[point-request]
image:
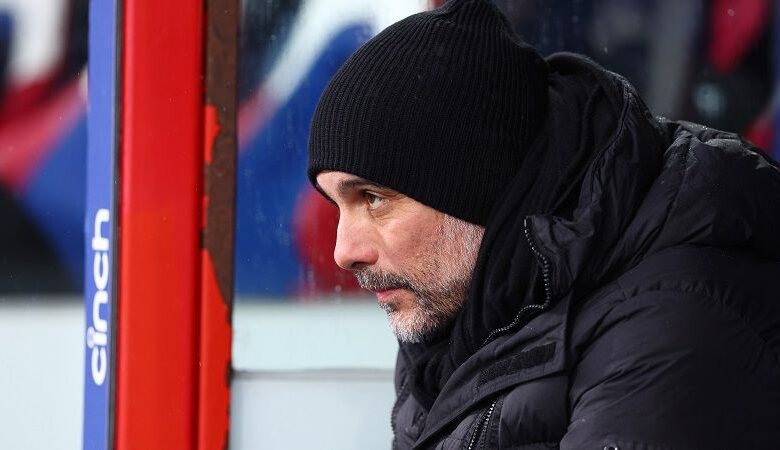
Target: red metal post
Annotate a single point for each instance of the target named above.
(159, 229)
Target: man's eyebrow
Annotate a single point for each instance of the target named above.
(346, 187)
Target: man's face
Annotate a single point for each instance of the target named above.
(417, 260)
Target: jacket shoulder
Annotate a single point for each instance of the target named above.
(726, 281)
(680, 352)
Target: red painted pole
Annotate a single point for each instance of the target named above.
(159, 225)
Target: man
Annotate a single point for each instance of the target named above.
(562, 269)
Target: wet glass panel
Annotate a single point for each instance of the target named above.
(285, 231)
(307, 343)
(43, 51)
(706, 62)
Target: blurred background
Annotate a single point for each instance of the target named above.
(302, 328)
(708, 62)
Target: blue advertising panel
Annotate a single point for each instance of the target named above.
(100, 266)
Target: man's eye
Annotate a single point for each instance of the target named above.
(374, 201)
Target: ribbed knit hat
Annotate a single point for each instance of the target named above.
(440, 106)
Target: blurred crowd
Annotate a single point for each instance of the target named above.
(43, 54)
(705, 61)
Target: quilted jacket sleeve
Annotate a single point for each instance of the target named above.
(674, 370)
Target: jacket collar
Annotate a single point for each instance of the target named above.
(536, 350)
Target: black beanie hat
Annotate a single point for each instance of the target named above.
(440, 106)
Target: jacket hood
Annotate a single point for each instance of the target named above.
(712, 189)
(605, 186)
(635, 184)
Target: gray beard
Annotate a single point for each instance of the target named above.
(433, 308)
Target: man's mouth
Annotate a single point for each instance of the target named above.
(386, 287)
(385, 296)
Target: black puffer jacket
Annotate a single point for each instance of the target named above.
(660, 322)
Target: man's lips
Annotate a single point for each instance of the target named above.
(386, 295)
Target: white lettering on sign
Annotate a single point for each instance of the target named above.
(97, 334)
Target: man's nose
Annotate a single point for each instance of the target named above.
(353, 247)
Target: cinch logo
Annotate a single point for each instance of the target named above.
(97, 335)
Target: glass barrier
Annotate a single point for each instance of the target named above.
(43, 53)
(309, 347)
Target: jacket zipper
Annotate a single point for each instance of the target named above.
(482, 426)
(518, 317)
(547, 288)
